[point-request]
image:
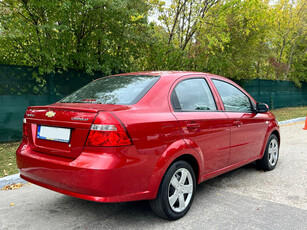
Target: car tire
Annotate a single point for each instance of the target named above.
(176, 192)
(270, 157)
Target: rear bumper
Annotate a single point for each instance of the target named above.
(108, 176)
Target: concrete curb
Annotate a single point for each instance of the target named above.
(16, 178)
(292, 121)
(12, 179)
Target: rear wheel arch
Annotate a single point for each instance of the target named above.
(169, 157)
(174, 199)
(192, 161)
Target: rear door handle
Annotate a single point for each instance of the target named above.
(238, 123)
(193, 126)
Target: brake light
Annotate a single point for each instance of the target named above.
(107, 131)
(25, 128)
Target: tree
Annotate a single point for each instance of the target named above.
(88, 35)
(289, 40)
(234, 38)
(222, 37)
(175, 31)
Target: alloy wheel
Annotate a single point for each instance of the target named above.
(180, 190)
(273, 152)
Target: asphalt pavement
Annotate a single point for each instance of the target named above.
(245, 198)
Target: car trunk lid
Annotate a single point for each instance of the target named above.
(62, 129)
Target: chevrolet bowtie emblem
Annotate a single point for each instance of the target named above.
(50, 114)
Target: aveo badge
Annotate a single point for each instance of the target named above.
(50, 114)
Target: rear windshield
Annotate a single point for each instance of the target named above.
(120, 90)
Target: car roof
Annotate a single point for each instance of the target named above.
(177, 74)
(174, 74)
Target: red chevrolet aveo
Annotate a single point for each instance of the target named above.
(147, 135)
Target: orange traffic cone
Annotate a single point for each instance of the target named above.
(305, 124)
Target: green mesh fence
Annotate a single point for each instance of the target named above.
(277, 94)
(21, 87)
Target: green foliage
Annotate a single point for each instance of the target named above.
(234, 38)
(289, 40)
(88, 35)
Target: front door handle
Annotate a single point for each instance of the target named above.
(193, 126)
(238, 123)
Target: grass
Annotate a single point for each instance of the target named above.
(8, 159)
(290, 113)
(7, 150)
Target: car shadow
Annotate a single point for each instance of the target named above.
(130, 214)
(229, 178)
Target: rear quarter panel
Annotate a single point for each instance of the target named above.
(158, 142)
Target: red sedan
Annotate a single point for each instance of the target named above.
(146, 135)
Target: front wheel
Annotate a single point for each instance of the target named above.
(176, 192)
(270, 157)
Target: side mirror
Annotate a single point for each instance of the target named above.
(262, 108)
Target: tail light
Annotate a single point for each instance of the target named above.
(25, 131)
(107, 130)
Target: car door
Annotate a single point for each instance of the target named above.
(202, 126)
(247, 127)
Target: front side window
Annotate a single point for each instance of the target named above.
(233, 98)
(122, 90)
(192, 95)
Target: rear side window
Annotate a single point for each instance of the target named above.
(233, 98)
(192, 95)
(122, 90)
